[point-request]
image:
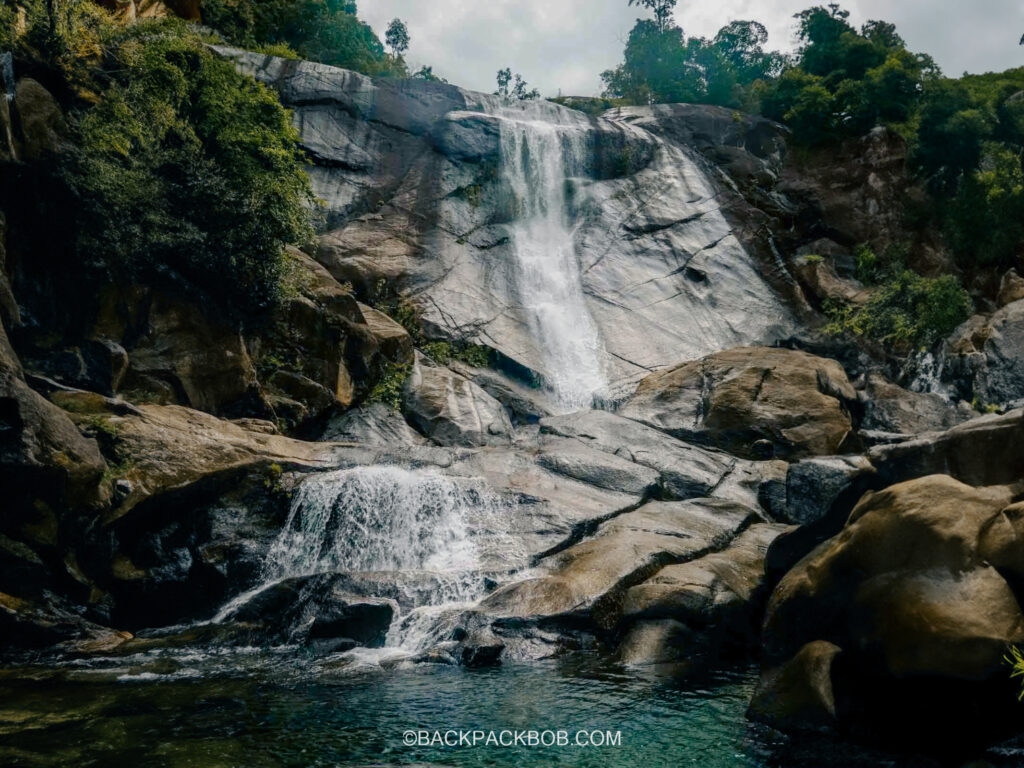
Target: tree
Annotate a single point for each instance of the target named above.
(662, 10)
(397, 38)
(514, 86)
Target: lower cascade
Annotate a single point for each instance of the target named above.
(387, 520)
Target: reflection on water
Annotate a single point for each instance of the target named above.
(262, 708)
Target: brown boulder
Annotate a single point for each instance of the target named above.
(737, 398)
(40, 119)
(591, 578)
(42, 453)
(164, 449)
(797, 695)
(908, 594)
(205, 364)
(716, 591)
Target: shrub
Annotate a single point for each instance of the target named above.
(327, 31)
(186, 170)
(905, 312)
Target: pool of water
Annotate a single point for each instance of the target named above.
(267, 709)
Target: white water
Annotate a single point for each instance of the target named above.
(538, 157)
(386, 519)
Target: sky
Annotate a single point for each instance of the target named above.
(564, 45)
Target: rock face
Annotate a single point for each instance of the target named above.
(905, 591)
(452, 410)
(892, 409)
(983, 451)
(686, 471)
(183, 354)
(715, 597)
(984, 358)
(42, 454)
(739, 398)
(408, 170)
(589, 579)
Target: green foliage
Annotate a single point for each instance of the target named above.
(846, 81)
(1015, 658)
(185, 170)
(427, 73)
(514, 86)
(443, 352)
(662, 65)
(397, 38)
(388, 389)
(905, 312)
(985, 220)
(320, 30)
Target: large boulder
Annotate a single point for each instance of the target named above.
(985, 358)
(716, 591)
(923, 620)
(316, 608)
(43, 456)
(166, 449)
(892, 409)
(587, 581)
(373, 424)
(190, 359)
(452, 410)
(686, 471)
(43, 128)
(321, 349)
(988, 450)
(750, 401)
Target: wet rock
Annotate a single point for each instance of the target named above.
(659, 642)
(481, 648)
(587, 581)
(42, 453)
(313, 608)
(687, 471)
(33, 624)
(735, 398)
(452, 410)
(798, 694)
(373, 424)
(719, 595)
(890, 408)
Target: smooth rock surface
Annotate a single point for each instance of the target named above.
(734, 399)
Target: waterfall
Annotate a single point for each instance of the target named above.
(387, 519)
(537, 158)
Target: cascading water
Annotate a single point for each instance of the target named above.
(537, 158)
(386, 519)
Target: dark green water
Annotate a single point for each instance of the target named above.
(272, 710)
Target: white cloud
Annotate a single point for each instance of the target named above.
(566, 44)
